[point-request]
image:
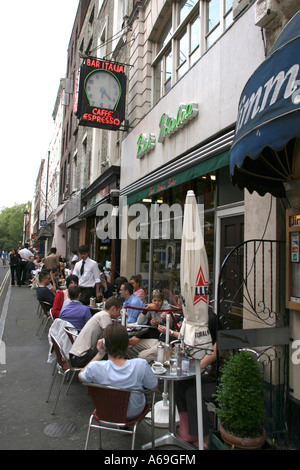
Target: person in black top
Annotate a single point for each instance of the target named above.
(43, 292)
(186, 393)
(15, 262)
(106, 288)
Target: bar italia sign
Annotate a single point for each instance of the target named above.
(167, 127)
(99, 98)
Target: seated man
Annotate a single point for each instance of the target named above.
(119, 372)
(62, 296)
(132, 300)
(147, 346)
(106, 288)
(46, 289)
(55, 275)
(75, 312)
(85, 345)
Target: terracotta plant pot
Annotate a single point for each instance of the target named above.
(242, 443)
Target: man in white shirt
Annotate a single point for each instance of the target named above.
(88, 274)
(25, 256)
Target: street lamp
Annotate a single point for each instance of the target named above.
(25, 224)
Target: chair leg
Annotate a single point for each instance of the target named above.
(46, 323)
(88, 433)
(39, 310)
(100, 439)
(133, 436)
(54, 376)
(70, 381)
(40, 325)
(61, 386)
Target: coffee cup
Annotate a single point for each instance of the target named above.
(157, 367)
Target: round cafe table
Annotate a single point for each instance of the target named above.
(171, 438)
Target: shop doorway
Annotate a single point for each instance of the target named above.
(230, 228)
(232, 235)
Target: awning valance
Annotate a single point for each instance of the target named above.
(204, 159)
(268, 122)
(206, 166)
(92, 209)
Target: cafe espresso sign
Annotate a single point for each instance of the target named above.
(167, 127)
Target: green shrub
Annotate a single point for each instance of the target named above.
(240, 396)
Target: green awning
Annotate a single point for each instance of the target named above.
(207, 166)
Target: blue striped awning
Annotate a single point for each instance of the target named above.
(268, 122)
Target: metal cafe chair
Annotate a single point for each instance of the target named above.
(46, 317)
(63, 367)
(110, 411)
(72, 333)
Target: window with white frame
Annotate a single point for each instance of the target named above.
(191, 28)
(219, 18)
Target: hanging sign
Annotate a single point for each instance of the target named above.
(99, 97)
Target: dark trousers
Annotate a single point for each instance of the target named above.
(24, 271)
(82, 361)
(86, 293)
(186, 400)
(15, 271)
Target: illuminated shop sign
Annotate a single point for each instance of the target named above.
(167, 126)
(100, 90)
(295, 220)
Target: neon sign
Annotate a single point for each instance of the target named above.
(167, 126)
(100, 94)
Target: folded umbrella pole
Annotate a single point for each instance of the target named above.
(194, 281)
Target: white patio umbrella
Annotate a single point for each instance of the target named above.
(194, 290)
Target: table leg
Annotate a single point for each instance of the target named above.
(171, 437)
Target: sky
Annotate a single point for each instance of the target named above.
(34, 39)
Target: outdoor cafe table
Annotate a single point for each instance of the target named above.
(171, 438)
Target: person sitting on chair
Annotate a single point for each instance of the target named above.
(45, 292)
(75, 312)
(126, 291)
(147, 346)
(117, 371)
(62, 296)
(85, 346)
(186, 394)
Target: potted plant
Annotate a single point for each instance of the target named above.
(240, 399)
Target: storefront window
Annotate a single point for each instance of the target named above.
(227, 193)
(166, 246)
(166, 268)
(205, 190)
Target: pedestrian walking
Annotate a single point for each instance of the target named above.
(15, 263)
(4, 256)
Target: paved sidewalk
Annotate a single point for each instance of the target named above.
(25, 417)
